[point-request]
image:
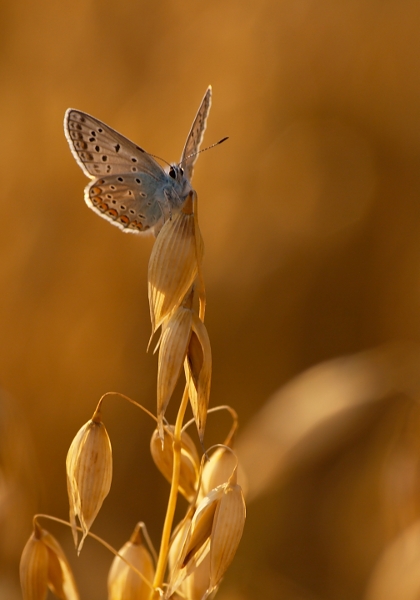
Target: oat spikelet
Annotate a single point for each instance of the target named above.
(173, 349)
(196, 541)
(89, 474)
(123, 582)
(177, 542)
(218, 469)
(195, 586)
(228, 525)
(216, 528)
(190, 462)
(173, 263)
(198, 367)
(34, 570)
(44, 565)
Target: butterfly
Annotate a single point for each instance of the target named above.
(129, 188)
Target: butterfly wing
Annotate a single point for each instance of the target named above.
(133, 202)
(195, 136)
(100, 150)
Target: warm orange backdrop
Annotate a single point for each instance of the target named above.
(311, 219)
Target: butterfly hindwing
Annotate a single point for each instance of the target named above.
(131, 201)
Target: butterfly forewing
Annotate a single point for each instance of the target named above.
(100, 150)
(195, 136)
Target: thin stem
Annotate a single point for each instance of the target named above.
(234, 425)
(170, 511)
(148, 541)
(151, 415)
(98, 539)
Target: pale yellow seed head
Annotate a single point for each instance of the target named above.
(89, 474)
(123, 582)
(177, 542)
(196, 542)
(173, 349)
(218, 469)
(44, 565)
(216, 529)
(198, 367)
(34, 570)
(222, 467)
(228, 525)
(190, 462)
(173, 263)
(195, 585)
(60, 576)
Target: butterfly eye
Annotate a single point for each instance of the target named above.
(172, 173)
(181, 170)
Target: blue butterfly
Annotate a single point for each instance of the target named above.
(129, 188)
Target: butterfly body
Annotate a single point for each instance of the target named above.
(129, 188)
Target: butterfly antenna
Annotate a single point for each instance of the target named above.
(159, 158)
(204, 149)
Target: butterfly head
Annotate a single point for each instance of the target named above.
(176, 172)
(181, 182)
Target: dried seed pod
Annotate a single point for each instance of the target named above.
(228, 525)
(198, 365)
(196, 542)
(123, 582)
(34, 570)
(162, 454)
(173, 349)
(216, 527)
(218, 469)
(177, 541)
(89, 474)
(194, 585)
(173, 263)
(44, 565)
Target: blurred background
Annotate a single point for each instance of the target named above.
(310, 215)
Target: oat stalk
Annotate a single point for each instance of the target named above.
(193, 555)
(170, 511)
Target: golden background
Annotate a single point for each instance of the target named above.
(310, 215)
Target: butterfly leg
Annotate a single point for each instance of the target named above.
(167, 204)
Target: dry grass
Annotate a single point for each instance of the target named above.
(310, 214)
(194, 554)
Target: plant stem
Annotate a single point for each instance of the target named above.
(170, 511)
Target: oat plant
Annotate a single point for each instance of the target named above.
(195, 553)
